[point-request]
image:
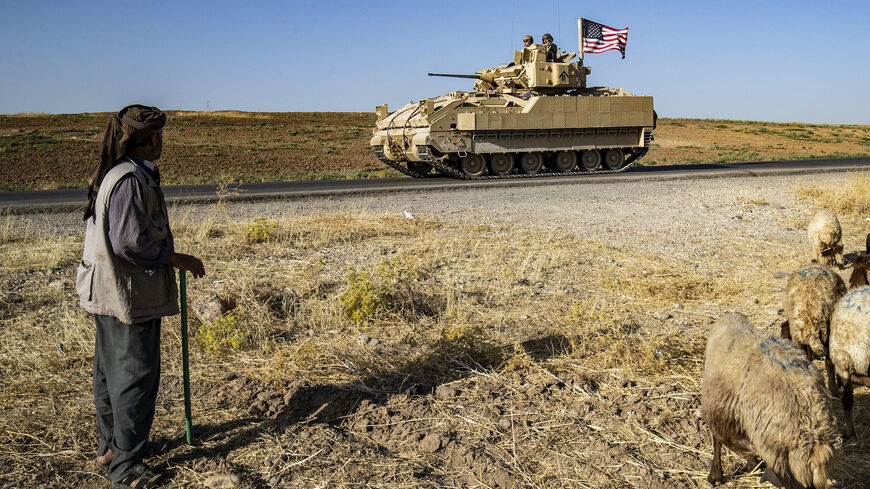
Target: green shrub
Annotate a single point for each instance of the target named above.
(375, 294)
(223, 335)
(260, 230)
(362, 299)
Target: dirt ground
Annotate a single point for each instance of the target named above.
(544, 337)
(58, 151)
(52, 151)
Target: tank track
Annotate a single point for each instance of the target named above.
(423, 151)
(395, 165)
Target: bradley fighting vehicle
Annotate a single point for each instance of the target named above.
(527, 117)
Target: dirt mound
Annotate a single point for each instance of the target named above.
(470, 427)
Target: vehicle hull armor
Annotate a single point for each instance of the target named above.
(465, 123)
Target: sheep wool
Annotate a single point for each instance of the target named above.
(810, 297)
(761, 396)
(849, 345)
(825, 236)
(850, 333)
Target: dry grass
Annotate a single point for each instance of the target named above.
(529, 355)
(849, 197)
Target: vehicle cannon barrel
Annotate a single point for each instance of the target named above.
(487, 77)
(451, 75)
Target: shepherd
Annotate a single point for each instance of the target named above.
(126, 280)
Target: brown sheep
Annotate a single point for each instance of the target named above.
(825, 236)
(849, 346)
(762, 397)
(860, 271)
(811, 295)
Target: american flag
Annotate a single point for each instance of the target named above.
(598, 38)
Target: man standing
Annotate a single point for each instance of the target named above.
(126, 280)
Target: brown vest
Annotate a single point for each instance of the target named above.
(110, 285)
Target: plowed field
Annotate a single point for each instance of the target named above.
(57, 151)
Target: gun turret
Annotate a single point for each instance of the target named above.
(529, 71)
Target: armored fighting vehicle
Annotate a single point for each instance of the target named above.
(528, 117)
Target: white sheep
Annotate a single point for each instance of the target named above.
(762, 397)
(849, 346)
(826, 238)
(811, 294)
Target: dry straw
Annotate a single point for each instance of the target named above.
(851, 196)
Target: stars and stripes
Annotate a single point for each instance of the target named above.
(598, 38)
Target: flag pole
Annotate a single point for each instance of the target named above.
(580, 38)
(188, 420)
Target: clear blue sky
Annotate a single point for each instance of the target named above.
(760, 60)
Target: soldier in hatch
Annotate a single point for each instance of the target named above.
(550, 46)
(528, 40)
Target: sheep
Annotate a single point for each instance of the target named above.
(861, 268)
(860, 271)
(849, 346)
(811, 294)
(762, 397)
(825, 237)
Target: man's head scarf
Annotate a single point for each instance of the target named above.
(133, 123)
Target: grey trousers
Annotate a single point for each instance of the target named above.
(126, 377)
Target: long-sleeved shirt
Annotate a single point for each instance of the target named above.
(127, 222)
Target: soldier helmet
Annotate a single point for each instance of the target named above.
(547, 36)
(528, 38)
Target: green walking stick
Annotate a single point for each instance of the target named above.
(188, 420)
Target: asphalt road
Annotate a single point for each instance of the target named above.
(69, 200)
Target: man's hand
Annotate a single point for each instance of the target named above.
(186, 262)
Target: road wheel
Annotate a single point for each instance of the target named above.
(564, 161)
(613, 159)
(419, 167)
(474, 165)
(531, 163)
(501, 163)
(590, 159)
